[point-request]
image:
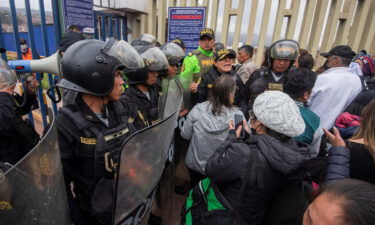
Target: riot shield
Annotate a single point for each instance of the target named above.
(32, 191)
(142, 160)
(169, 98)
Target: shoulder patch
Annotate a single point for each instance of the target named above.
(88, 141)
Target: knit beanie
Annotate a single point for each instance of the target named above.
(277, 111)
(368, 63)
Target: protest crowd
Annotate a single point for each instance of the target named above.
(282, 143)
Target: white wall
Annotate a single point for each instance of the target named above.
(136, 5)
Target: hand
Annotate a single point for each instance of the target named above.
(32, 86)
(239, 128)
(335, 139)
(183, 112)
(247, 128)
(193, 87)
(9, 90)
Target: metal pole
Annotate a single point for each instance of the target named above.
(3, 55)
(56, 21)
(124, 29)
(96, 25)
(33, 51)
(46, 47)
(110, 24)
(15, 28)
(102, 28)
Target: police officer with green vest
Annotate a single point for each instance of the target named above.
(197, 63)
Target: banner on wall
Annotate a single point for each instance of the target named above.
(80, 13)
(185, 23)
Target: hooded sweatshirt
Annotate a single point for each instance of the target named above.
(269, 167)
(206, 132)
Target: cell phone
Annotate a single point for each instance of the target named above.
(238, 121)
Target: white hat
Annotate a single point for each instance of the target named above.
(277, 111)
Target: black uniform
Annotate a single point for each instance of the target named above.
(17, 136)
(207, 81)
(142, 111)
(89, 151)
(259, 81)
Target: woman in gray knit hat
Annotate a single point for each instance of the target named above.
(267, 157)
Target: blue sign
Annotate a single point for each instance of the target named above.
(80, 13)
(186, 23)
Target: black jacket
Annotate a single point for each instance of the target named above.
(78, 155)
(259, 81)
(141, 110)
(275, 160)
(208, 80)
(17, 136)
(355, 162)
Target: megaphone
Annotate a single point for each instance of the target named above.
(51, 64)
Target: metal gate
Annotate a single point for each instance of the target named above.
(45, 38)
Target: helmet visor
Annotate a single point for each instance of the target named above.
(285, 50)
(155, 59)
(126, 54)
(173, 52)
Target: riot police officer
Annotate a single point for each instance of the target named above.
(141, 98)
(144, 42)
(175, 56)
(93, 128)
(17, 136)
(281, 58)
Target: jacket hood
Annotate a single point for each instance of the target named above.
(283, 157)
(215, 124)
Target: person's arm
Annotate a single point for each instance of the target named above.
(190, 66)
(67, 144)
(338, 166)
(188, 127)
(227, 162)
(201, 94)
(7, 112)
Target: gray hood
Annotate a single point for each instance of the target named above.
(214, 124)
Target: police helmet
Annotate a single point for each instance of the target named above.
(7, 77)
(144, 42)
(89, 66)
(284, 49)
(173, 52)
(154, 60)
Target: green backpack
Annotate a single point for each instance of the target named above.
(206, 205)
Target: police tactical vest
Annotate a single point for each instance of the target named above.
(205, 62)
(107, 142)
(272, 85)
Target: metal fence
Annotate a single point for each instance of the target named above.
(317, 25)
(45, 38)
(32, 44)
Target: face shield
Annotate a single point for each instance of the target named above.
(174, 53)
(155, 60)
(285, 49)
(7, 77)
(125, 53)
(148, 38)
